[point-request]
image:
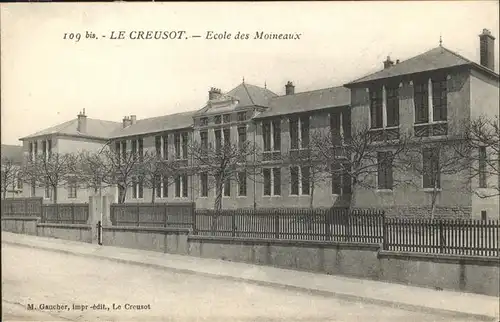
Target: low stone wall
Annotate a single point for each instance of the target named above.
(75, 232)
(20, 224)
(460, 273)
(167, 240)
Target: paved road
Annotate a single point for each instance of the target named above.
(39, 277)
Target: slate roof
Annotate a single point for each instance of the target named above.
(307, 101)
(251, 95)
(95, 128)
(12, 152)
(436, 58)
(156, 124)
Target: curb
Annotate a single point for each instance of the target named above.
(341, 296)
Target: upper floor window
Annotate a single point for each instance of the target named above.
(227, 136)
(204, 184)
(384, 170)
(217, 119)
(271, 133)
(242, 136)
(376, 102)
(299, 132)
(204, 121)
(439, 98)
(204, 140)
(184, 145)
(392, 105)
(341, 179)
(158, 145)
(421, 100)
(226, 118)
(242, 116)
(180, 145)
(72, 189)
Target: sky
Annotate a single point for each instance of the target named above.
(47, 80)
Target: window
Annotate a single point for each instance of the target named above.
(161, 187)
(204, 121)
(384, 170)
(482, 167)
(33, 187)
(431, 173)
(421, 100)
(272, 181)
(184, 145)
(242, 136)
(341, 179)
(242, 116)
(165, 147)
(181, 186)
(217, 119)
(299, 132)
(376, 107)
(335, 127)
(204, 141)
(227, 187)
(226, 118)
(134, 147)
(227, 136)
(48, 190)
(137, 188)
(36, 148)
(158, 145)
(304, 132)
(218, 140)
(439, 99)
(140, 142)
(158, 186)
(72, 188)
(31, 151)
(300, 180)
(124, 149)
(177, 145)
(204, 184)
(44, 150)
(49, 147)
(19, 182)
(392, 106)
(272, 130)
(242, 183)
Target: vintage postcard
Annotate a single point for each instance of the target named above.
(250, 161)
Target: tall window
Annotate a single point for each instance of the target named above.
(48, 191)
(177, 145)
(272, 181)
(482, 167)
(431, 173)
(158, 186)
(300, 180)
(266, 135)
(277, 135)
(36, 148)
(72, 188)
(181, 186)
(158, 145)
(140, 143)
(165, 147)
(227, 136)
(392, 105)
(217, 119)
(299, 132)
(421, 100)
(242, 183)
(226, 118)
(124, 149)
(335, 127)
(341, 180)
(204, 141)
(204, 121)
(134, 147)
(242, 116)
(384, 170)
(165, 187)
(439, 99)
(137, 188)
(242, 136)
(44, 150)
(204, 184)
(161, 189)
(376, 107)
(184, 145)
(218, 140)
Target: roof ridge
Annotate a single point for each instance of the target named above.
(312, 91)
(248, 93)
(165, 115)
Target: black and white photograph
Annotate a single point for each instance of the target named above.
(250, 161)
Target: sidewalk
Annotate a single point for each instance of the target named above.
(386, 294)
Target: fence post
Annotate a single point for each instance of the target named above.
(233, 223)
(441, 239)
(328, 219)
(276, 225)
(193, 214)
(348, 224)
(384, 234)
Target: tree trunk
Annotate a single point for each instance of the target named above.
(433, 199)
(54, 194)
(311, 203)
(153, 193)
(217, 204)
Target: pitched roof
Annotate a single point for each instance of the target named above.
(308, 101)
(12, 152)
(436, 58)
(95, 128)
(251, 95)
(156, 124)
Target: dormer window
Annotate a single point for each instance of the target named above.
(421, 99)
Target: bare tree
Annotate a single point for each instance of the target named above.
(157, 172)
(359, 157)
(50, 171)
(429, 160)
(222, 164)
(92, 170)
(481, 147)
(10, 172)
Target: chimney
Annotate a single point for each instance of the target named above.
(126, 121)
(82, 122)
(487, 49)
(133, 119)
(289, 88)
(388, 63)
(214, 93)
